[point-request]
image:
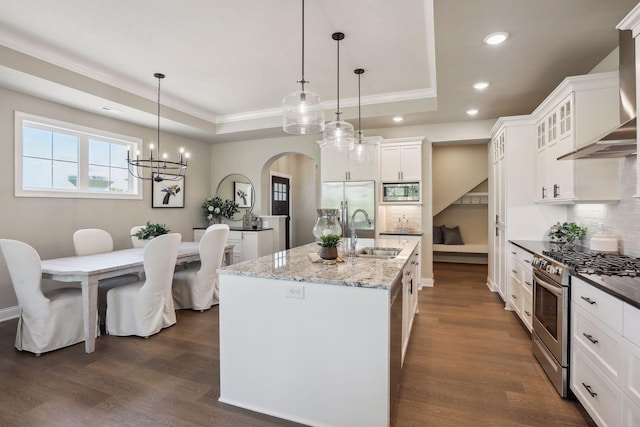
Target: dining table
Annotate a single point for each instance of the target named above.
(90, 269)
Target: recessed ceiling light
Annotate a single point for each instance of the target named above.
(481, 85)
(496, 38)
(398, 119)
(472, 112)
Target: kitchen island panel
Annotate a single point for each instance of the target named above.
(276, 335)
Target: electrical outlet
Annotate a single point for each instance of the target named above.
(295, 291)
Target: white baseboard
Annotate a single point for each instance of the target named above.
(491, 285)
(426, 282)
(9, 313)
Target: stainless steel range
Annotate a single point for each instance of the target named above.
(551, 302)
(551, 320)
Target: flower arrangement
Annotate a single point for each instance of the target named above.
(151, 230)
(567, 232)
(216, 207)
(329, 240)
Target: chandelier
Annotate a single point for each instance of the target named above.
(338, 133)
(302, 111)
(158, 169)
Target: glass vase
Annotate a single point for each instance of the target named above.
(327, 223)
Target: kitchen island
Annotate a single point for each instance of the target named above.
(314, 343)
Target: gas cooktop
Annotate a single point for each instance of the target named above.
(596, 263)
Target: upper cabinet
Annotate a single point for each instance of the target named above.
(349, 165)
(401, 160)
(578, 110)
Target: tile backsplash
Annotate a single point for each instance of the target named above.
(623, 219)
(391, 213)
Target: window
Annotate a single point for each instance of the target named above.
(58, 159)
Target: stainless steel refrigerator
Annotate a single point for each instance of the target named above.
(347, 197)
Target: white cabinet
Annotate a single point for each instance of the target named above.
(401, 160)
(520, 280)
(605, 355)
(346, 166)
(250, 244)
(513, 213)
(578, 110)
(409, 297)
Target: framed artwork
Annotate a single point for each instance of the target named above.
(167, 193)
(242, 194)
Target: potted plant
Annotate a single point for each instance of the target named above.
(150, 231)
(329, 246)
(214, 208)
(567, 232)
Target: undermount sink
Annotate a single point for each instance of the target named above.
(378, 252)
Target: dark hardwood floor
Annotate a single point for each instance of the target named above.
(469, 363)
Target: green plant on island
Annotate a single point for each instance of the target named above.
(151, 230)
(567, 232)
(329, 240)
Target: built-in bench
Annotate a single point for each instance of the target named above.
(470, 253)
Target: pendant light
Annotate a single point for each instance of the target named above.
(364, 148)
(338, 133)
(302, 111)
(158, 169)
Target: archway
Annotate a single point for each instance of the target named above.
(304, 180)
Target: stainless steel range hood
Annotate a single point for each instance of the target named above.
(621, 140)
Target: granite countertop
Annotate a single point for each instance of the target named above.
(623, 287)
(294, 264)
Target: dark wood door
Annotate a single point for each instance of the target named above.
(280, 201)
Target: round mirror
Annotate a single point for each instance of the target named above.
(238, 188)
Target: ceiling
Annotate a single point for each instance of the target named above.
(229, 63)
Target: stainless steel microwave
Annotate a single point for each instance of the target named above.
(400, 192)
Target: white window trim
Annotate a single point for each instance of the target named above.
(135, 145)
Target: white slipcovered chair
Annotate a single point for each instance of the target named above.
(197, 288)
(137, 243)
(48, 320)
(89, 241)
(145, 307)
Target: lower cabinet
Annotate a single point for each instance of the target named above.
(519, 293)
(250, 244)
(605, 355)
(409, 297)
(247, 244)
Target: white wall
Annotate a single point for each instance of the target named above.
(48, 223)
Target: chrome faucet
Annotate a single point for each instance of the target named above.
(354, 237)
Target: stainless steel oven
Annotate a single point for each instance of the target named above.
(551, 320)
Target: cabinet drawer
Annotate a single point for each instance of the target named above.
(527, 282)
(520, 254)
(605, 307)
(631, 372)
(515, 296)
(527, 310)
(630, 414)
(631, 324)
(599, 396)
(600, 344)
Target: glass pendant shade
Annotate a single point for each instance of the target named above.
(302, 113)
(327, 222)
(338, 134)
(364, 148)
